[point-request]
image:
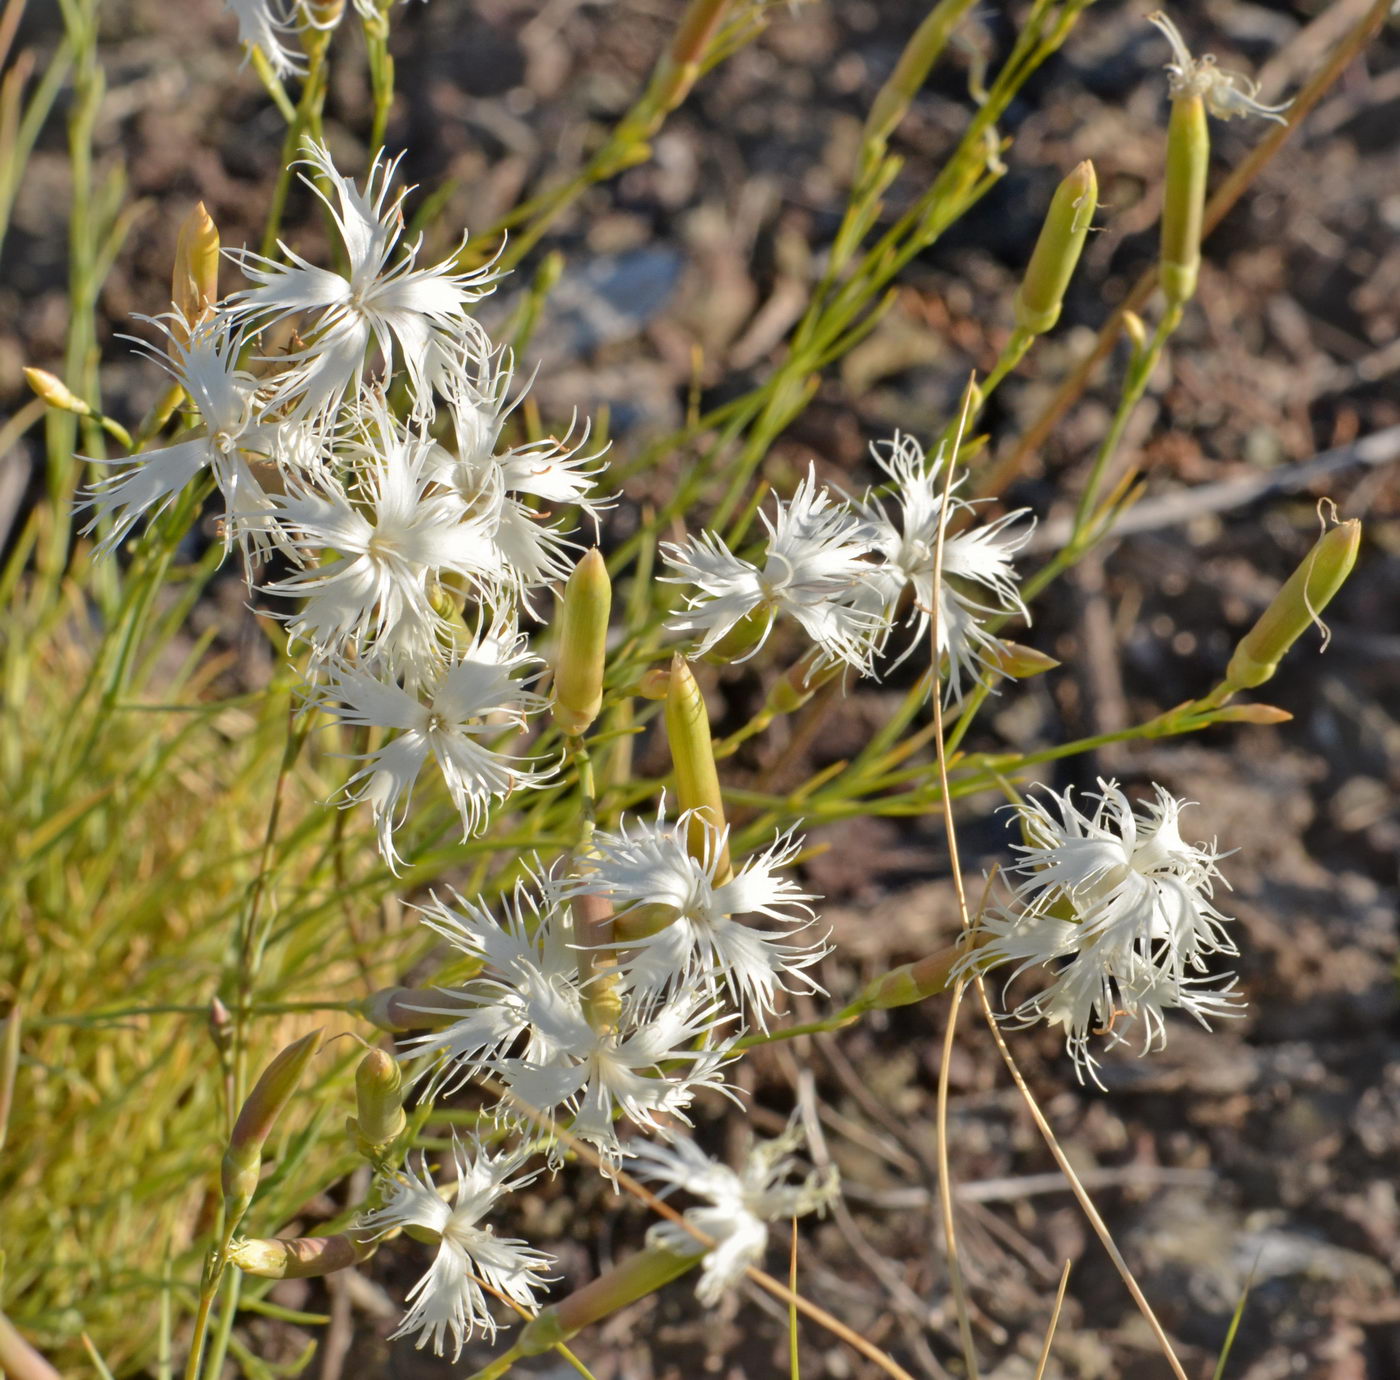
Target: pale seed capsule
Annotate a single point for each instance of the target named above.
(1057, 250)
(243, 1158)
(583, 639)
(1303, 597)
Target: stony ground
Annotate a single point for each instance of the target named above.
(1263, 1153)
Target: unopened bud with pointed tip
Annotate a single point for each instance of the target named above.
(243, 1158)
(1057, 251)
(413, 1008)
(379, 1115)
(697, 777)
(55, 392)
(583, 642)
(912, 982)
(1298, 604)
(654, 684)
(1251, 714)
(194, 281)
(1021, 663)
(301, 1257)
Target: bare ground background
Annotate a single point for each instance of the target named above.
(1267, 1149)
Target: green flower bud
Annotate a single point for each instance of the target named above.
(379, 1115)
(1057, 250)
(243, 1158)
(583, 638)
(912, 69)
(412, 1008)
(693, 755)
(1021, 663)
(55, 392)
(1303, 597)
(1184, 200)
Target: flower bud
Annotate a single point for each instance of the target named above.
(912, 982)
(655, 684)
(194, 281)
(1057, 251)
(243, 1158)
(1021, 663)
(302, 1257)
(1250, 714)
(583, 638)
(638, 1276)
(693, 755)
(220, 1026)
(1184, 199)
(678, 71)
(55, 392)
(800, 682)
(912, 69)
(1135, 328)
(1303, 597)
(412, 1008)
(379, 1116)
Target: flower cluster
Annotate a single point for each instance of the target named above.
(850, 571)
(1117, 907)
(413, 534)
(635, 1027)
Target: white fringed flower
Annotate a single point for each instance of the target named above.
(1117, 906)
(422, 311)
(814, 569)
(978, 578)
(535, 1025)
(700, 940)
(450, 1299)
(447, 715)
(203, 359)
(509, 484)
(739, 1206)
(392, 532)
(268, 26)
(1226, 94)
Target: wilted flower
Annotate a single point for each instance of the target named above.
(450, 1297)
(1118, 907)
(978, 578)
(1226, 94)
(739, 1206)
(700, 940)
(815, 565)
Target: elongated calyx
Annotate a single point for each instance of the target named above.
(693, 755)
(1304, 595)
(243, 1158)
(194, 281)
(1057, 251)
(300, 1257)
(583, 638)
(1184, 200)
